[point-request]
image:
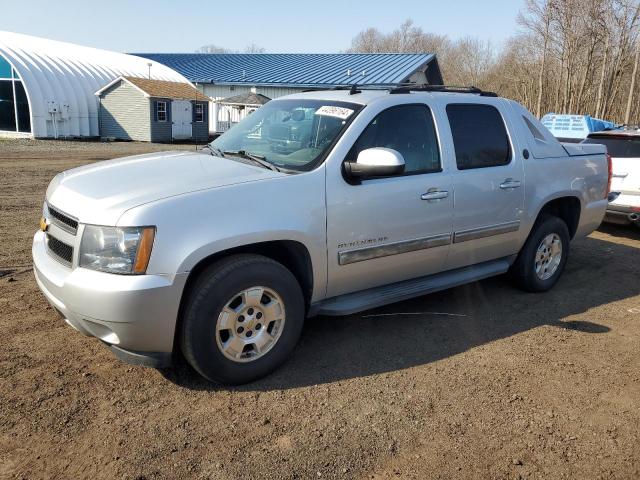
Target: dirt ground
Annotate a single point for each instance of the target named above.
(481, 381)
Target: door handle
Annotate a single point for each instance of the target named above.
(434, 195)
(509, 183)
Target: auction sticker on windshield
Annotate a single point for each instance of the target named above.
(333, 111)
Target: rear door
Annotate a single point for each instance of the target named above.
(488, 183)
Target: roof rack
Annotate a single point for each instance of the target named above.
(352, 88)
(408, 88)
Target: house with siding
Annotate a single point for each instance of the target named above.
(148, 110)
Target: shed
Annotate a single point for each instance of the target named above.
(233, 109)
(133, 108)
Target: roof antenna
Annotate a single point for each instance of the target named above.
(195, 107)
(194, 132)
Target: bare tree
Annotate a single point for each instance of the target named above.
(585, 54)
(213, 49)
(632, 87)
(251, 48)
(405, 39)
(539, 20)
(570, 56)
(469, 61)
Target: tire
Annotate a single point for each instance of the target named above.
(233, 347)
(529, 270)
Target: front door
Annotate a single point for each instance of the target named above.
(390, 229)
(181, 118)
(488, 184)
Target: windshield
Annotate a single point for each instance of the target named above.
(291, 134)
(619, 147)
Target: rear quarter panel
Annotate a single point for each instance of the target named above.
(551, 172)
(582, 177)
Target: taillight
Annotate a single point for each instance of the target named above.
(610, 162)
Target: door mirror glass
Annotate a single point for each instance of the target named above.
(298, 115)
(376, 162)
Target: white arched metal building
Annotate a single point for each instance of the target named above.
(47, 88)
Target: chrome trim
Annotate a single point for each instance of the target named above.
(396, 248)
(509, 184)
(59, 223)
(482, 232)
(55, 256)
(434, 195)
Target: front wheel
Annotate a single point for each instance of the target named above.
(242, 320)
(544, 255)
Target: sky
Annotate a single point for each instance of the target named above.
(278, 26)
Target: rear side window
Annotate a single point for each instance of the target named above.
(620, 147)
(408, 129)
(479, 136)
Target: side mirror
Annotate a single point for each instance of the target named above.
(298, 115)
(376, 162)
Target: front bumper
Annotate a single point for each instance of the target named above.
(134, 314)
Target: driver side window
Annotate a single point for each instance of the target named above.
(408, 129)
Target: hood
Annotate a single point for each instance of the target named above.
(102, 192)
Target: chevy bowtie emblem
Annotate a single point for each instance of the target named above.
(43, 224)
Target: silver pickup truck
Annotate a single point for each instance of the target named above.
(319, 203)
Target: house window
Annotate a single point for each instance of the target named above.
(199, 113)
(161, 111)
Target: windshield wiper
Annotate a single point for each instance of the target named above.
(260, 160)
(215, 150)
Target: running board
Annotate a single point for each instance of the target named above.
(397, 292)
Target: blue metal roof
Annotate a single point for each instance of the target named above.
(296, 70)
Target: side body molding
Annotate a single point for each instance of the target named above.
(368, 253)
(488, 231)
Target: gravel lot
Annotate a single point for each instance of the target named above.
(481, 381)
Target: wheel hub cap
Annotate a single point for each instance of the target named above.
(250, 324)
(548, 256)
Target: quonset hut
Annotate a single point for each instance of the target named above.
(47, 88)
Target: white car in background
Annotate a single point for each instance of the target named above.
(624, 147)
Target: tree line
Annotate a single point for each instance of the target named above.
(569, 56)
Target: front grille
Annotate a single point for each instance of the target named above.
(63, 221)
(60, 250)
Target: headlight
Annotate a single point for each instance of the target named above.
(116, 250)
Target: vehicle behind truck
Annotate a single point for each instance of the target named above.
(319, 203)
(623, 145)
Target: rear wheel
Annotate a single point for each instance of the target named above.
(242, 320)
(544, 255)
